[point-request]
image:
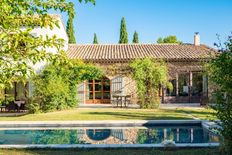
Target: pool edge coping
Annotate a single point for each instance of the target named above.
(104, 123)
(92, 146)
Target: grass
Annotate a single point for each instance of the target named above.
(117, 114)
(113, 152)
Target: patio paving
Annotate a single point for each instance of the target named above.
(105, 106)
(11, 114)
(181, 105)
(162, 106)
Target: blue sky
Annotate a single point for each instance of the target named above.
(153, 19)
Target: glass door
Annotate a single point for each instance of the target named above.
(98, 91)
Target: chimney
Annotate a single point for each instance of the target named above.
(197, 41)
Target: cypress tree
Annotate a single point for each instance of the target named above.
(123, 32)
(70, 31)
(95, 41)
(136, 38)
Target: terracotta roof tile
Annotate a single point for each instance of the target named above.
(127, 52)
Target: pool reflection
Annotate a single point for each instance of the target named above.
(135, 135)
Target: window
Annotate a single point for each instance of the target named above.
(183, 84)
(197, 86)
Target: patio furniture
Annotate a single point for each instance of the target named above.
(3, 107)
(115, 100)
(23, 107)
(19, 105)
(122, 100)
(127, 100)
(11, 106)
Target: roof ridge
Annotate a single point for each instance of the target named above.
(89, 44)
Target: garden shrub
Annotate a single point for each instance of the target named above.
(149, 75)
(55, 88)
(220, 73)
(32, 105)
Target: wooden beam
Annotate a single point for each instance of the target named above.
(190, 85)
(163, 93)
(84, 100)
(177, 84)
(205, 86)
(15, 90)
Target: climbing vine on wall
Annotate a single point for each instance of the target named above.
(149, 75)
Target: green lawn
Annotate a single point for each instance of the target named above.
(117, 114)
(113, 152)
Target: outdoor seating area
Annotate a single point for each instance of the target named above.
(14, 98)
(121, 101)
(13, 106)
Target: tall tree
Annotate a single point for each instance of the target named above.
(123, 32)
(136, 38)
(70, 31)
(70, 28)
(95, 41)
(168, 39)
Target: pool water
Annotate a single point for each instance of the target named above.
(117, 135)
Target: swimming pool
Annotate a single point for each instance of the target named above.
(141, 135)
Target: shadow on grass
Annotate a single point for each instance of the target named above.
(143, 116)
(194, 112)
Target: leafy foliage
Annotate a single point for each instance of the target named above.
(220, 73)
(95, 41)
(19, 50)
(149, 75)
(136, 38)
(56, 87)
(168, 39)
(86, 1)
(123, 32)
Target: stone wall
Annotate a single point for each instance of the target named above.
(122, 69)
(130, 88)
(129, 85)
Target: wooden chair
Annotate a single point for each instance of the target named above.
(114, 101)
(22, 107)
(127, 100)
